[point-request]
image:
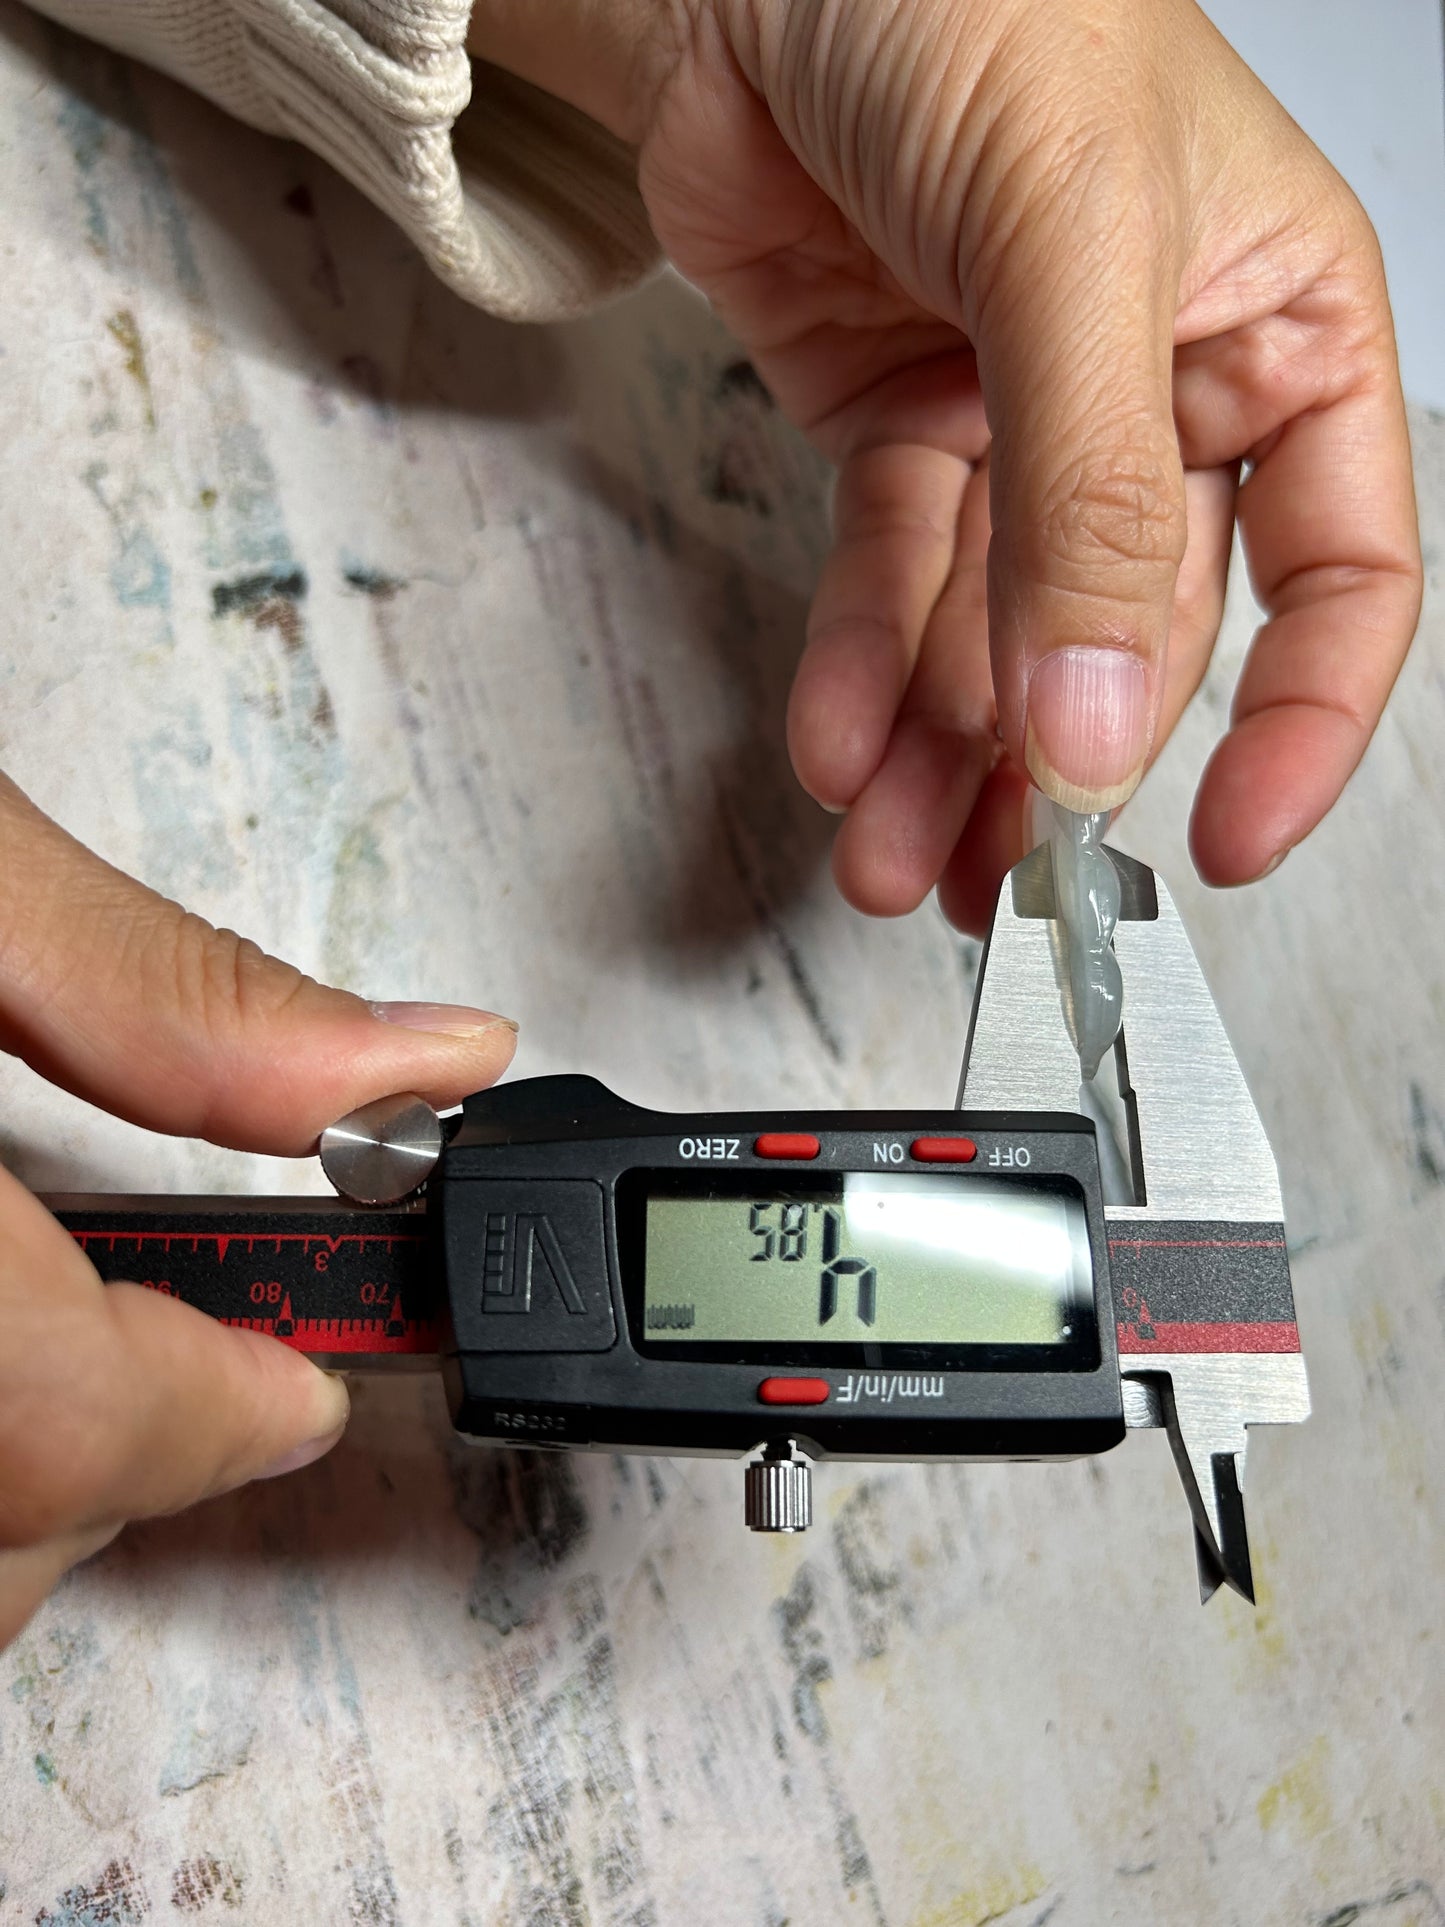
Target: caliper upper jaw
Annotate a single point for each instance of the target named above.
(1208, 1344)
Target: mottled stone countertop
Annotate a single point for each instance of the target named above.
(449, 660)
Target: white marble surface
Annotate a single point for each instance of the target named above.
(507, 726)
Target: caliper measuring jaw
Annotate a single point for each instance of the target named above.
(1208, 1343)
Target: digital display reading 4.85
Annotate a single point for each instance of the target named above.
(882, 1259)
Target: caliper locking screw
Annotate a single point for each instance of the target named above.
(383, 1152)
(778, 1491)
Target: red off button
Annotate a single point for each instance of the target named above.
(793, 1391)
(943, 1150)
(797, 1145)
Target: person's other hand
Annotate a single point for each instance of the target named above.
(116, 1402)
(1039, 279)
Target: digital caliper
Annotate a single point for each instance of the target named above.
(870, 1286)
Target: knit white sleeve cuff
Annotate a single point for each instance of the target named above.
(525, 206)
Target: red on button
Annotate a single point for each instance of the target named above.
(787, 1144)
(793, 1391)
(944, 1150)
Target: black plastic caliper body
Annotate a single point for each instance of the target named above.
(891, 1285)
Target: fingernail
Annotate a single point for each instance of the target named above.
(306, 1454)
(1269, 868)
(442, 1020)
(1087, 733)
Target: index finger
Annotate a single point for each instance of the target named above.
(1328, 523)
(122, 997)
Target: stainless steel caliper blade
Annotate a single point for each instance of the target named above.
(1205, 1322)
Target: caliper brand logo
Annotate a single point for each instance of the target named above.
(515, 1242)
(886, 1386)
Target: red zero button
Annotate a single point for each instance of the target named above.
(793, 1391)
(944, 1150)
(787, 1144)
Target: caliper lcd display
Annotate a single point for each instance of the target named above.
(868, 1258)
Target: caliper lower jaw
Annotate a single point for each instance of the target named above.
(1206, 1402)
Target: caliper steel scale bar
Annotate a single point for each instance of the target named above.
(1208, 1343)
(511, 1266)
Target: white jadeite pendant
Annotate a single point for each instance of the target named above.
(1086, 903)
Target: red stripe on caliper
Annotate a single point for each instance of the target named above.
(1201, 1337)
(342, 1335)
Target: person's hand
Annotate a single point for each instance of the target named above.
(1038, 278)
(116, 1402)
(1050, 274)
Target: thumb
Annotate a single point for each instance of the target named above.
(201, 1413)
(117, 1402)
(1074, 338)
(127, 1000)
